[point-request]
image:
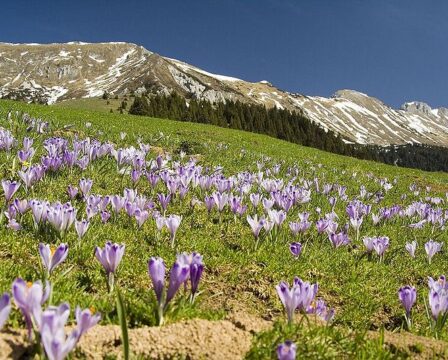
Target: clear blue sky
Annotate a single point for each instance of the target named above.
(396, 50)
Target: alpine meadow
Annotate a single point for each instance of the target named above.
(223, 180)
(182, 239)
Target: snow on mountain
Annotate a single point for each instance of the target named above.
(54, 72)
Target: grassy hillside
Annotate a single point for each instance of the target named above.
(360, 286)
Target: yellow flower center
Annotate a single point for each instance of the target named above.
(29, 284)
(92, 309)
(52, 250)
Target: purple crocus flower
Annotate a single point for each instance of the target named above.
(85, 320)
(179, 273)
(380, 245)
(209, 202)
(438, 302)
(321, 225)
(25, 155)
(438, 296)
(267, 204)
(221, 200)
(368, 243)
(5, 308)
(10, 188)
(172, 223)
(135, 175)
(432, 248)
(407, 295)
(290, 298)
(141, 216)
(72, 191)
(294, 227)
(105, 216)
(356, 223)
(52, 322)
(52, 257)
(295, 248)
(196, 269)
(255, 199)
(307, 293)
(13, 225)
(339, 239)
(164, 201)
(411, 247)
(117, 203)
(287, 351)
(29, 298)
(56, 344)
(255, 224)
(321, 309)
(21, 205)
(85, 186)
(81, 228)
(278, 217)
(30, 176)
(156, 269)
(110, 258)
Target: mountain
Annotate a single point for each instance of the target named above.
(53, 72)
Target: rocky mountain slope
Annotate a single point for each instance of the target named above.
(54, 72)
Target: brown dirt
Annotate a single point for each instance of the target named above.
(199, 339)
(192, 339)
(417, 347)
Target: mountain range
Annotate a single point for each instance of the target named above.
(49, 73)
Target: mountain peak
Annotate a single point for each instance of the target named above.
(54, 72)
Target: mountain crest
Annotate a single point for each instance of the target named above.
(54, 72)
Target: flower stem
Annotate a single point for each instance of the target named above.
(160, 315)
(110, 282)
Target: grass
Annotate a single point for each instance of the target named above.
(362, 290)
(96, 104)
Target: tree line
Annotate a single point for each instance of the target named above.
(287, 125)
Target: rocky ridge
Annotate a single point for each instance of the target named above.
(49, 73)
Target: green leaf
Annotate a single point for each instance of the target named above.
(121, 310)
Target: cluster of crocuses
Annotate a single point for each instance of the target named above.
(31, 124)
(437, 302)
(301, 296)
(431, 248)
(186, 267)
(235, 194)
(377, 244)
(46, 321)
(50, 323)
(7, 140)
(60, 216)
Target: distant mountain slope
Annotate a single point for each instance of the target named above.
(54, 72)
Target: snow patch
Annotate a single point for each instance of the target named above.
(187, 68)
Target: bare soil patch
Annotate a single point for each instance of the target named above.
(192, 339)
(417, 347)
(199, 339)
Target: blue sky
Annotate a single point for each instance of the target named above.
(395, 50)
